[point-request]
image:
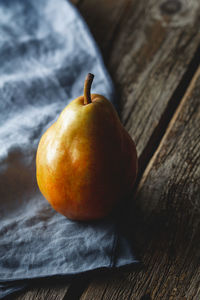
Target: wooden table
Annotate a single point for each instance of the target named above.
(151, 50)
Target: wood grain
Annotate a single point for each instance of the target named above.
(148, 46)
(103, 18)
(76, 2)
(51, 293)
(166, 216)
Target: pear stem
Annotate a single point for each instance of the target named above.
(87, 86)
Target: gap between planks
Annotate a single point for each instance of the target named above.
(168, 114)
(171, 123)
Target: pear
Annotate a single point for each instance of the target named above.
(86, 162)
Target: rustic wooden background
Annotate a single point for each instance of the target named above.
(152, 50)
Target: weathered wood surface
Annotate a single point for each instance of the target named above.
(103, 18)
(149, 48)
(166, 216)
(50, 293)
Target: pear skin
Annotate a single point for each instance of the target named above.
(86, 162)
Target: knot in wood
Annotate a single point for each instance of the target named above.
(170, 7)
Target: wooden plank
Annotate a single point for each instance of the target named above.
(76, 2)
(166, 216)
(102, 18)
(57, 292)
(148, 46)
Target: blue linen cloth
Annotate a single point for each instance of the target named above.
(46, 51)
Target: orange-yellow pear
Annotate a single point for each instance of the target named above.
(86, 161)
